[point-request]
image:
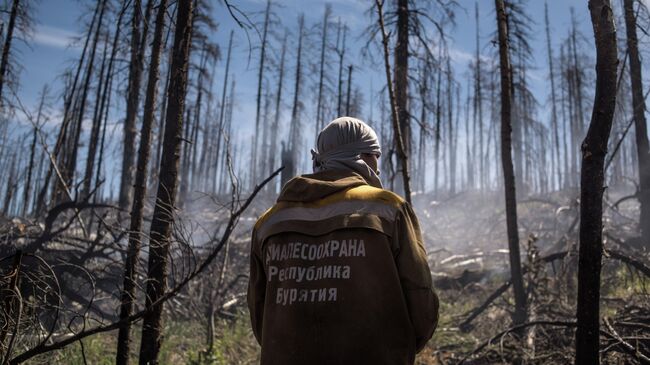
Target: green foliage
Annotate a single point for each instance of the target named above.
(234, 344)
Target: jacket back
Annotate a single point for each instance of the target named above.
(339, 275)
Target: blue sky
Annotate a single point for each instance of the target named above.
(57, 21)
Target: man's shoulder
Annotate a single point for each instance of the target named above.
(371, 193)
(361, 193)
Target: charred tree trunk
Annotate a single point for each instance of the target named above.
(479, 107)
(161, 225)
(396, 112)
(94, 133)
(349, 92)
(4, 62)
(450, 130)
(638, 103)
(592, 178)
(222, 110)
(140, 190)
(260, 76)
(437, 136)
(340, 50)
(32, 153)
(291, 156)
(132, 105)
(40, 203)
(401, 82)
(556, 138)
(278, 101)
(71, 162)
(11, 186)
(519, 315)
(321, 78)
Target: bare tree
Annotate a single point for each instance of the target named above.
(395, 115)
(290, 147)
(4, 61)
(161, 225)
(554, 125)
(132, 102)
(592, 178)
(638, 105)
(278, 102)
(320, 115)
(519, 315)
(260, 76)
(135, 237)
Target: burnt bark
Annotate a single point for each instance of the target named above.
(140, 189)
(640, 126)
(398, 137)
(290, 154)
(401, 83)
(4, 62)
(260, 76)
(519, 315)
(161, 225)
(592, 178)
(132, 103)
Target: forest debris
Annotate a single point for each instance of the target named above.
(629, 349)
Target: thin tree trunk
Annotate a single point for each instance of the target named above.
(450, 131)
(436, 153)
(638, 104)
(32, 152)
(341, 53)
(11, 185)
(132, 105)
(347, 97)
(401, 81)
(140, 190)
(61, 138)
(4, 62)
(94, 133)
(278, 100)
(519, 315)
(222, 109)
(592, 178)
(479, 106)
(71, 163)
(319, 104)
(260, 76)
(161, 224)
(395, 111)
(556, 139)
(294, 128)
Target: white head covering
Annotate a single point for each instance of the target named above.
(340, 145)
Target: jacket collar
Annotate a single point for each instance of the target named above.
(316, 186)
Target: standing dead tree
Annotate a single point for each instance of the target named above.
(640, 126)
(519, 315)
(260, 79)
(161, 224)
(592, 178)
(320, 113)
(554, 125)
(395, 116)
(290, 148)
(140, 188)
(132, 103)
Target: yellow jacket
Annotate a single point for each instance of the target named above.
(338, 275)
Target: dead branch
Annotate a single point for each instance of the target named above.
(234, 218)
(515, 329)
(629, 349)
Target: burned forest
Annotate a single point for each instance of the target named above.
(141, 141)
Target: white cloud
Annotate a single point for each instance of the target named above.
(54, 37)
